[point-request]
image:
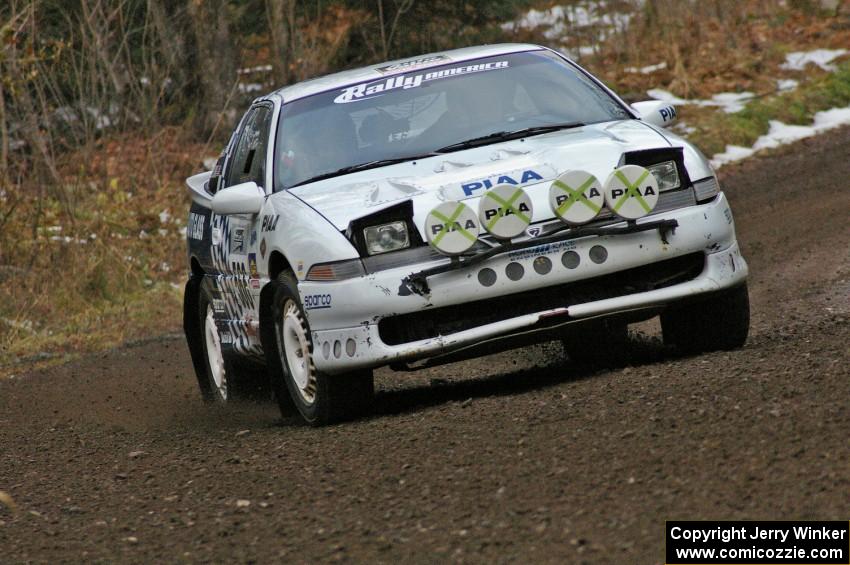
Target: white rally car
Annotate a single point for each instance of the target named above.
(428, 210)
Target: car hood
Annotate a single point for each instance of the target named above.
(532, 162)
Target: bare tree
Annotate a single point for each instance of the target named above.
(215, 58)
(281, 17)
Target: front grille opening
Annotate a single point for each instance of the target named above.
(404, 328)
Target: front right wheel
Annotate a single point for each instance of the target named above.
(721, 322)
(320, 399)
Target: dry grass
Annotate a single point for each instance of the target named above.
(104, 267)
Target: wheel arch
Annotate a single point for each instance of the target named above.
(278, 263)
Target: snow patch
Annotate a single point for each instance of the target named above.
(729, 102)
(782, 134)
(798, 60)
(786, 84)
(649, 69)
(561, 19)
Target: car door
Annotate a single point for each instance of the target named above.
(234, 237)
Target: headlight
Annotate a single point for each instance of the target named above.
(386, 237)
(666, 174)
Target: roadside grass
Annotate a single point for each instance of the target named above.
(714, 129)
(107, 265)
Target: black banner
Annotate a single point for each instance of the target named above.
(758, 543)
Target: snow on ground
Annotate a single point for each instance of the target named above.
(562, 19)
(798, 60)
(730, 102)
(786, 84)
(649, 69)
(781, 134)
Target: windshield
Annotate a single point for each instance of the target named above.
(421, 111)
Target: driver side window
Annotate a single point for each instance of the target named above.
(249, 156)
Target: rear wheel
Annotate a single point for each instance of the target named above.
(213, 381)
(220, 378)
(320, 398)
(720, 323)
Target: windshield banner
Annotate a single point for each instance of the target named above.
(373, 89)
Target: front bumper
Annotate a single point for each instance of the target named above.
(344, 316)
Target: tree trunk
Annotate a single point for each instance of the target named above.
(281, 16)
(215, 59)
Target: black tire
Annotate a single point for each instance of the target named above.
(320, 399)
(597, 342)
(721, 322)
(243, 379)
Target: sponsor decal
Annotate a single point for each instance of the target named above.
(270, 223)
(317, 301)
(576, 197)
(252, 266)
(255, 284)
(668, 113)
(515, 178)
(218, 304)
(534, 231)
(452, 228)
(253, 238)
(545, 249)
(251, 325)
(505, 211)
(631, 192)
(300, 267)
(195, 229)
(366, 90)
(237, 241)
(263, 248)
(225, 336)
(728, 213)
(413, 64)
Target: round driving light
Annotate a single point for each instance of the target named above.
(570, 259)
(514, 271)
(542, 265)
(350, 347)
(337, 349)
(631, 192)
(598, 254)
(576, 197)
(505, 211)
(326, 349)
(487, 277)
(452, 228)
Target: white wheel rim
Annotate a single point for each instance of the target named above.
(214, 355)
(296, 349)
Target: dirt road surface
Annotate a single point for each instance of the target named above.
(515, 457)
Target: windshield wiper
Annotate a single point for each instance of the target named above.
(506, 135)
(363, 166)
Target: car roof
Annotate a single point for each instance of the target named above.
(378, 71)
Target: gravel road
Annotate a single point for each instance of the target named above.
(515, 457)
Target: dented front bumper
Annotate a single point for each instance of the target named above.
(344, 315)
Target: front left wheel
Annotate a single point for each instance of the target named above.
(320, 398)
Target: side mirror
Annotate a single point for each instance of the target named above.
(245, 198)
(656, 112)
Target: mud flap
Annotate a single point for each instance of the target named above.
(191, 325)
